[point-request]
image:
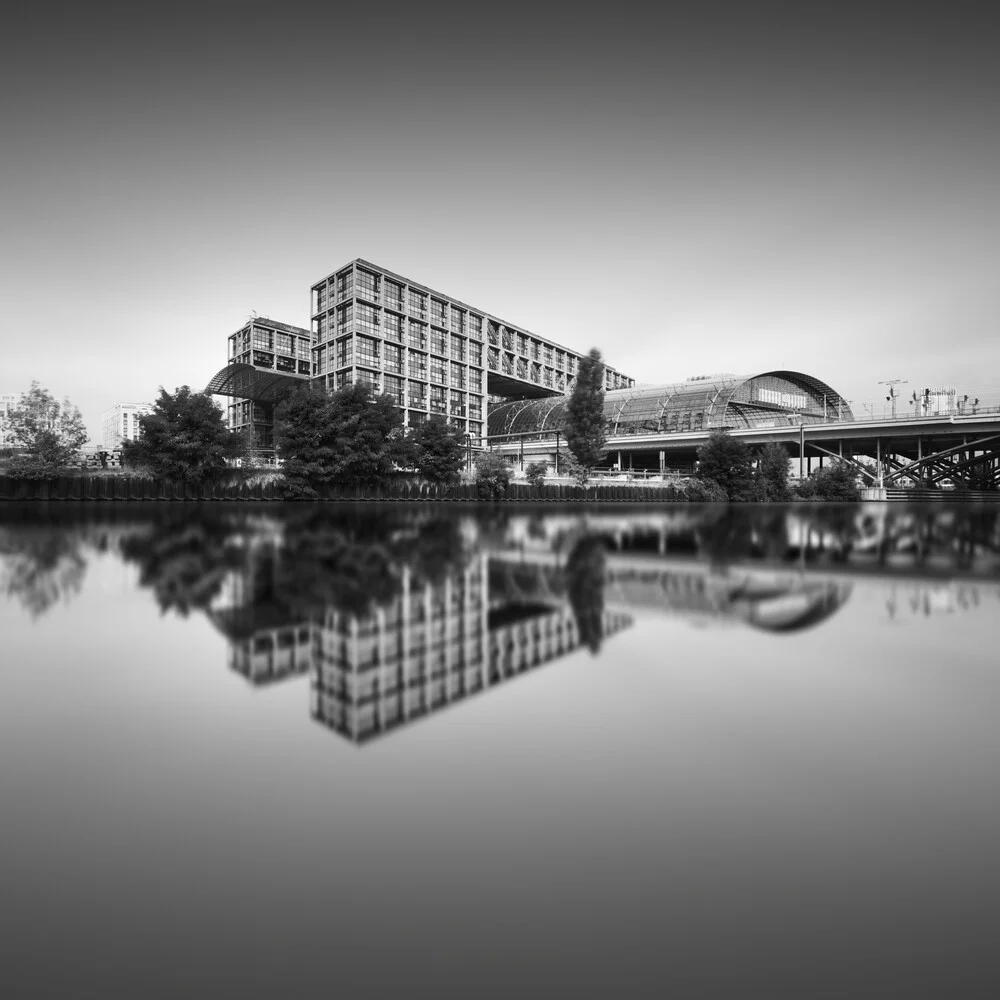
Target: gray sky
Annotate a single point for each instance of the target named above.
(725, 189)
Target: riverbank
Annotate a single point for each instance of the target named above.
(131, 488)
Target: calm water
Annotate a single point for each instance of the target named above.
(341, 750)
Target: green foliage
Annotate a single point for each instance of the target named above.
(492, 475)
(50, 432)
(438, 449)
(570, 466)
(586, 429)
(702, 491)
(727, 461)
(349, 437)
(837, 481)
(771, 480)
(535, 473)
(184, 439)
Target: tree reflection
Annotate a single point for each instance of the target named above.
(40, 567)
(185, 560)
(585, 573)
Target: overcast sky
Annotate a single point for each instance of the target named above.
(734, 188)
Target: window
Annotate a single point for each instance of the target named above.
(416, 395)
(345, 351)
(392, 358)
(457, 375)
(320, 364)
(457, 347)
(476, 354)
(475, 326)
(283, 343)
(476, 407)
(368, 378)
(262, 338)
(367, 285)
(394, 388)
(345, 378)
(417, 336)
(438, 370)
(439, 312)
(475, 380)
(368, 352)
(367, 319)
(392, 295)
(392, 327)
(456, 401)
(345, 284)
(457, 320)
(522, 344)
(417, 302)
(345, 318)
(417, 364)
(438, 399)
(438, 341)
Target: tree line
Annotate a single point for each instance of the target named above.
(354, 437)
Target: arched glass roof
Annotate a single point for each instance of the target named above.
(247, 382)
(763, 400)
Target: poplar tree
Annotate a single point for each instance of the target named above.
(586, 428)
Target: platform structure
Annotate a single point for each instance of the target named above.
(656, 430)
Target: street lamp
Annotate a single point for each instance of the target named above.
(802, 441)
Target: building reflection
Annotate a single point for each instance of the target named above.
(428, 644)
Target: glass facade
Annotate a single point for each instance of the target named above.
(772, 399)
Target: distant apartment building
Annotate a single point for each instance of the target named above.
(432, 353)
(8, 401)
(121, 423)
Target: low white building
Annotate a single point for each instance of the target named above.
(121, 423)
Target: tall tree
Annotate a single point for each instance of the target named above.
(772, 472)
(438, 449)
(726, 461)
(51, 433)
(184, 439)
(349, 436)
(586, 428)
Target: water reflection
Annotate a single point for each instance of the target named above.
(397, 611)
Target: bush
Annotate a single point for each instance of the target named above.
(726, 461)
(492, 475)
(32, 467)
(838, 481)
(536, 473)
(570, 466)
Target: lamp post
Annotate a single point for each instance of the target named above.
(802, 441)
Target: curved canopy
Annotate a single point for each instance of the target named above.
(247, 382)
(760, 400)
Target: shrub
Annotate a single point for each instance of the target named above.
(838, 481)
(726, 461)
(536, 473)
(492, 475)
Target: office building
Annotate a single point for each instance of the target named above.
(432, 353)
(121, 423)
